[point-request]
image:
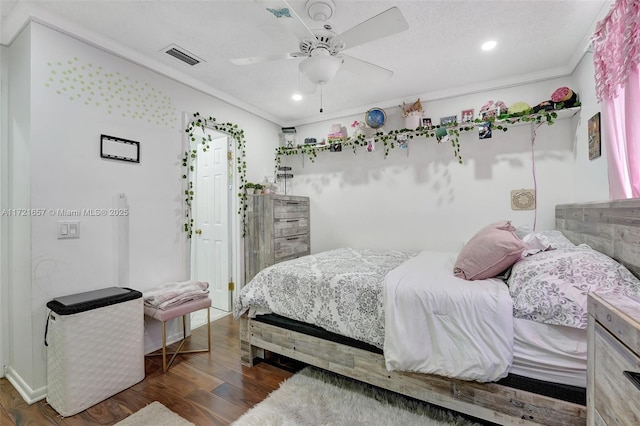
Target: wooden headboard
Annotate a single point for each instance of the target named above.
(611, 227)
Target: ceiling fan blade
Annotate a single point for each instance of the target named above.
(365, 69)
(382, 25)
(257, 59)
(285, 14)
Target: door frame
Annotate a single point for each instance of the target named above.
(236, 259)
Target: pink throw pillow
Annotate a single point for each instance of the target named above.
(491, 251)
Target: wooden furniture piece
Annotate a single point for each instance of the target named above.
(611, 227)
(181, 310)
(613, 375)
(277, 230)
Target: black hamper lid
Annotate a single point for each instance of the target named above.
(80, 302)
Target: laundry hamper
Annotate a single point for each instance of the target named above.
(95, 347)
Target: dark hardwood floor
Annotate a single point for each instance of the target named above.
(204, 388)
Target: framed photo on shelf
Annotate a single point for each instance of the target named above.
(594, 136)
(426, 123)
(448, 120)
(467, 115)
(492, 113)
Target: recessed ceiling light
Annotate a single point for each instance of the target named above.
(488, 45)
(296, 97)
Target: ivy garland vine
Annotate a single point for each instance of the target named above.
(393, 138)
(390, 141)
(197, 124)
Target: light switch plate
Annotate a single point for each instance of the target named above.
(67, 229)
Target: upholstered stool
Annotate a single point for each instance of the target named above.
(182, 310)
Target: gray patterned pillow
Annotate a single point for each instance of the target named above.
(551, 287)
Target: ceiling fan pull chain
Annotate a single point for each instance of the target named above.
(321, 98)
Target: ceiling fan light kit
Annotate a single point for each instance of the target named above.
(320, 67)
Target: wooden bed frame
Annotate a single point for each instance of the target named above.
(610, 227)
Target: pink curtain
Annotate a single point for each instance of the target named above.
(616, 59)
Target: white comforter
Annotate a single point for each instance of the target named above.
(437, 323)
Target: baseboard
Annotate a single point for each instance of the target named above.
(29, 395)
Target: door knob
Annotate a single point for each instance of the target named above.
(198, 231)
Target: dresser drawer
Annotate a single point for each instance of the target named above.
(615, 394)
(287, 209)
(290, 227)
(291, 247)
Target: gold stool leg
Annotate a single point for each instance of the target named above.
(166, 364)
(164, 346)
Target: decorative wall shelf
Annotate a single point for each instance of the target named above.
(394, 138)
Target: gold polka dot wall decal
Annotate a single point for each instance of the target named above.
(138, 98)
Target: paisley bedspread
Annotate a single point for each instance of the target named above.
(339, 290)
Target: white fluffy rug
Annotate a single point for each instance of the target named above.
(315, 397)
(154, 414)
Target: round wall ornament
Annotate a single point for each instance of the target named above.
(523, 199)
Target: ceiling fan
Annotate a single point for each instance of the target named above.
(322, 49)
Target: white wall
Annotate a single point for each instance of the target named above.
(21, 370)
(421, 198)
(78, 92)
(4, 167)
(590, 177)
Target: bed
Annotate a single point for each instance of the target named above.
(542, 383)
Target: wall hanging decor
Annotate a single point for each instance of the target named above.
(523, 199)
(284, 172)
(119, 149)
(594, 137)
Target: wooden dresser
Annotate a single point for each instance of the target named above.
(613, 380)
(277, 230)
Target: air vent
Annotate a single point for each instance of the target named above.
(182, 54)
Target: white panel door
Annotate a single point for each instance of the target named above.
(211, 222)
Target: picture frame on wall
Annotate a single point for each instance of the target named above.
(426, 123)
(594, 136)
(114, 148)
